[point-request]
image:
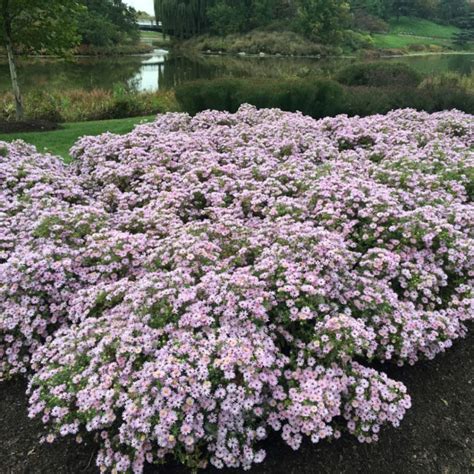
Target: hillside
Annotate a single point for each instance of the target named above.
(415, 33)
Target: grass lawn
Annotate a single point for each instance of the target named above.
(394, 41)
(154, 37)
(151, 35)
(419, 27)
(58, 142)
(409, 30)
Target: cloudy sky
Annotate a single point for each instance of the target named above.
(143, 5)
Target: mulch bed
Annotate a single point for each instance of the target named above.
(28, 126)
(437, 435)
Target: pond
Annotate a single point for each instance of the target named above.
(164, 70)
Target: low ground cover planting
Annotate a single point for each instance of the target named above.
(190, 287)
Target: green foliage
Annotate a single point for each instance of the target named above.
(42, 106)
(441, 92)
(466, 35)
(81, 105)
(218, 94)
(183, 18)
(446, 10)
(449, 90)
(42, 25)
(39, 26)
(397, 8)
(97, 31)
(226, 18)
(418, 8)
(372, 7)
(379, 74)
(377, 89)
(355, 40)
(452, 9)
(187, 18)
(364, 21)
(365, 100)
(426, 8)
(323, 20)
(401, 8)
(258, 41)
(107, 23)
(318, 97)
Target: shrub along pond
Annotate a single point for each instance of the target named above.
(363, 89)
(195, 285)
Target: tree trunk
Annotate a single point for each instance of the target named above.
(14, 78)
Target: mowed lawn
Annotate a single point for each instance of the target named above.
(394, 41)
(155, 38)
(151, 35)
(419, 27)
(409, 30)
(58, 142)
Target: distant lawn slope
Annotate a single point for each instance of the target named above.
(58, 142)
(420, 27)
(394, 41)
(409, 31)
(154, 38)
(151, 35)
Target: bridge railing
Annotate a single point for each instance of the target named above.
(150, 25)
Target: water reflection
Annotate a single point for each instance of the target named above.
(163, 70)
(82, 73)
(432, 64)
(147, 78)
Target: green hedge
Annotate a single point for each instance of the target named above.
(320, 97)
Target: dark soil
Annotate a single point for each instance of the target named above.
(28, 126)
(436, 436)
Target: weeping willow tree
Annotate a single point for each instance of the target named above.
(183, 18)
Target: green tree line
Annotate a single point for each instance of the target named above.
(322, 20)
(107, 23)
(56, 26)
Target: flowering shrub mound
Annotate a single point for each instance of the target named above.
(189, 287)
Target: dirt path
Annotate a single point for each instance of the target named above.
(437, 435)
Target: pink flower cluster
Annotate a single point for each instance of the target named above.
(189, 287)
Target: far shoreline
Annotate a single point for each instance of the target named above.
(243, 55)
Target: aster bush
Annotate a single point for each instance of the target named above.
(188, 288)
